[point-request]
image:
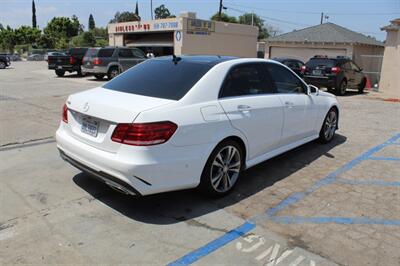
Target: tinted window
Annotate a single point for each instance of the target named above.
(138, 53)
(246, 79)
(125, 53)
(77, 51)
(284, 80)
(92, 52)
(321, 62)
(106, 52)
(159, 78)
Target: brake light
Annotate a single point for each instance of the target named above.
(65, 113)
(303, 69)
(335, 70)
(97, 61)
(144, 134)
(71, 60)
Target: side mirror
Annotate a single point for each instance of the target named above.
(312, 90)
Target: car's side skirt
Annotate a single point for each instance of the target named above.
(279, 150)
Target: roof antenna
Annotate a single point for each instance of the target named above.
(176, 59)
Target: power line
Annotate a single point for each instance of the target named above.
(270, 18)
(318, 13)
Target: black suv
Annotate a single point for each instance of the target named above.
(336, 74)
(4, 61)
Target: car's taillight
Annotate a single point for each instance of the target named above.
(303, 69)
(335, 70)
(65, 113)
(71, 60)
(144, 134)
(96, 61)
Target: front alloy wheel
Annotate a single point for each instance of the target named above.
(222, 169)
(329, 127)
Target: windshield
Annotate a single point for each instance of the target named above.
(160, 78)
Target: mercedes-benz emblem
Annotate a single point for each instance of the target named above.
(86, 107)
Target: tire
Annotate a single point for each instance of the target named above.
(341, 90)
(2, 65)
(219, 177)
(329, 126)
(112, 73)
(99, 76)
(60, 73)
(361, 86)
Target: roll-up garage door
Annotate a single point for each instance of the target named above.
(304, 54)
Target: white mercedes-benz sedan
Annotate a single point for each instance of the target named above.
(174, 123)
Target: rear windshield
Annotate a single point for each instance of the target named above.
(321, 62)
(106, 52)
(159, 78)
(92, 52)
(77, 51)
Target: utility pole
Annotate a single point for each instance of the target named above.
(151, 9)
(220, 10)
(322, 17)
(252, 18)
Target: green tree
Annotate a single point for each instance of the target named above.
(124, 17)
(1, 27)
(85, 39)
(91, 23)
(162, 12)
(100, 33)
(45, 41)
(34, 15)
(63, 27)
(137, 9)
(27, 35)
(101, 42)
(247, 18)
(7, 39)
(224, 18)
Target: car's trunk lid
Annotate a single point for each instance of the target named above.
(94, 114)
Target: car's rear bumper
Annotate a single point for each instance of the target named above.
(64, 67)
(95, 70)
(320, 81)
(137, 170)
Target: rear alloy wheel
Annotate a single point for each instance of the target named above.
(60, 73)
(99, 76)
(329, 126)
(342, 88)
(2, 65)
(112, 73)
(361, 87)
(222, 169)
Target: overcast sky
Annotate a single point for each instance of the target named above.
(365, 16)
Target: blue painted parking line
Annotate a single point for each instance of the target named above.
(338, 220)
(214, 245)
(271, 213)
(369, 182)
(384, 159)
(329, 179)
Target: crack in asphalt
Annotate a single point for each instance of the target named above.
(25, 144)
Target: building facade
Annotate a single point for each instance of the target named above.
(186, 35)
(390, 82)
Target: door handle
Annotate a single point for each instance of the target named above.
(243, 107)
(289, 104)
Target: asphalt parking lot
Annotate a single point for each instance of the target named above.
(334, 204)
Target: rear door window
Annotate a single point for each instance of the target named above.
(159, 78)
(92, 52)
(125, 53)
(106, 52)
(246, 79)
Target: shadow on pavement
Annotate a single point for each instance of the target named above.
(173, 207)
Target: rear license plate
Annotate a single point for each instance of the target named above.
(59, 67)
(317, 72)
(89, 126)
